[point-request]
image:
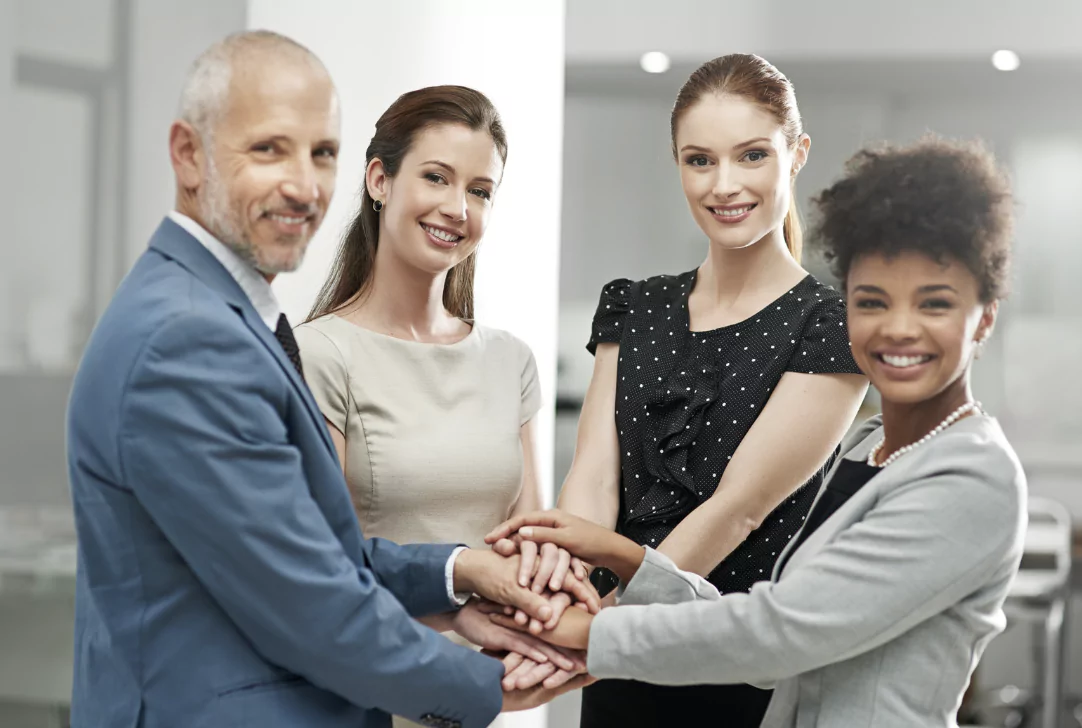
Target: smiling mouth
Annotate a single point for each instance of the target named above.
(442, 235)
(904, 362)
(733, 211)
(290, 220)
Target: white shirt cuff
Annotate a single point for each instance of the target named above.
(449, 576)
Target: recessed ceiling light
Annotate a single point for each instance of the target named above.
(1006, 60)
(654, 62)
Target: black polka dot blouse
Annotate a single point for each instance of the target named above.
(685, 399)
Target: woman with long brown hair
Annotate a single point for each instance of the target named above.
(431, 412)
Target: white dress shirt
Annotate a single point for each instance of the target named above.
(262, 297)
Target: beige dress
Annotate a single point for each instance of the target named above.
(432, 430)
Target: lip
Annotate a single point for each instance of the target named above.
(732, 219)
(444, 244)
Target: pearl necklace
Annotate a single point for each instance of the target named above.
(951, 419)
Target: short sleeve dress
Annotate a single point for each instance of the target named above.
(685, 399)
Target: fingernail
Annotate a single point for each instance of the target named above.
(527, 532)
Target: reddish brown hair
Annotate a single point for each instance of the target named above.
(752, 78)
(396, 129)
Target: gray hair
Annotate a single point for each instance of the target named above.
(205, 94)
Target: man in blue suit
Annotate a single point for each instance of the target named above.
(223, 579)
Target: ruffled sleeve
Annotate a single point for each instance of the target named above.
(531, 387)
(611, 312)
(325, 372)
(824, 345)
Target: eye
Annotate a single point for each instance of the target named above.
(870, 303)
(937, 303)
(756, 155)
(482, 193)
(435, 178)
(327, 152)
(698, 160)
(262, 147)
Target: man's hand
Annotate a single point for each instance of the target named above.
(495, 578)
(472, 622)
(585, 539)
(572, 632)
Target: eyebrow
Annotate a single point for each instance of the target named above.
(922, 289)
(741, 145)
(451, 169)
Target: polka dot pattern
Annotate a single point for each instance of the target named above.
(685, 399)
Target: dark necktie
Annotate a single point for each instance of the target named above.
(284, 334)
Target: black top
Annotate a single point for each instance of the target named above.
(848, 478)
(685, 399)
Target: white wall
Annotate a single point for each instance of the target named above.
(166, 37)
(621, 30)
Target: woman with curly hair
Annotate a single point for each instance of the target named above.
(880, 608)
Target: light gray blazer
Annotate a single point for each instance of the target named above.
(877, 620)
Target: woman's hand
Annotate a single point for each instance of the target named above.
(546, 566)
(585, 539)
(572, 632)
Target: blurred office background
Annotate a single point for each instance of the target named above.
(88, 87)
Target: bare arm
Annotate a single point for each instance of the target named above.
(529, 497)
(592, 487)
(801, 424)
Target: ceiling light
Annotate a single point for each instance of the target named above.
(654, 62)
(1005, 60)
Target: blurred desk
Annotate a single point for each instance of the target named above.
(37, 606)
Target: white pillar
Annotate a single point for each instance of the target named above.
(514, 53)
(7, 181)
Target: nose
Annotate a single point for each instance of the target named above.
(900, 325)
(726, 181)
(300, 185)
(453, 206)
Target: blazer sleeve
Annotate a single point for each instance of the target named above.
(923, 547)
(205, 449)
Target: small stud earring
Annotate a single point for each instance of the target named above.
(980, 347)
(377, 205)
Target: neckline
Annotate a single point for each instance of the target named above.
(470, 335)
(686, 309)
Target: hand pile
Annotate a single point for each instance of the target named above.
(535, 602)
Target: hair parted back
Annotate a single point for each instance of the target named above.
(396, 130)
(205, 95)
(753, 78)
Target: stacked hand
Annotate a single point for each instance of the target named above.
(549, 551)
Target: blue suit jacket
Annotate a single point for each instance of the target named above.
(223, 578)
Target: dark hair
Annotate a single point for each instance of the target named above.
(396, 129)
(944, 199)
(753, 78)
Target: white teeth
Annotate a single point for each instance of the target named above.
(442, 235)
(903, 362)
(288, 220)
(735, 212)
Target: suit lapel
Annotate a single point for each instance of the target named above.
(175, 243)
